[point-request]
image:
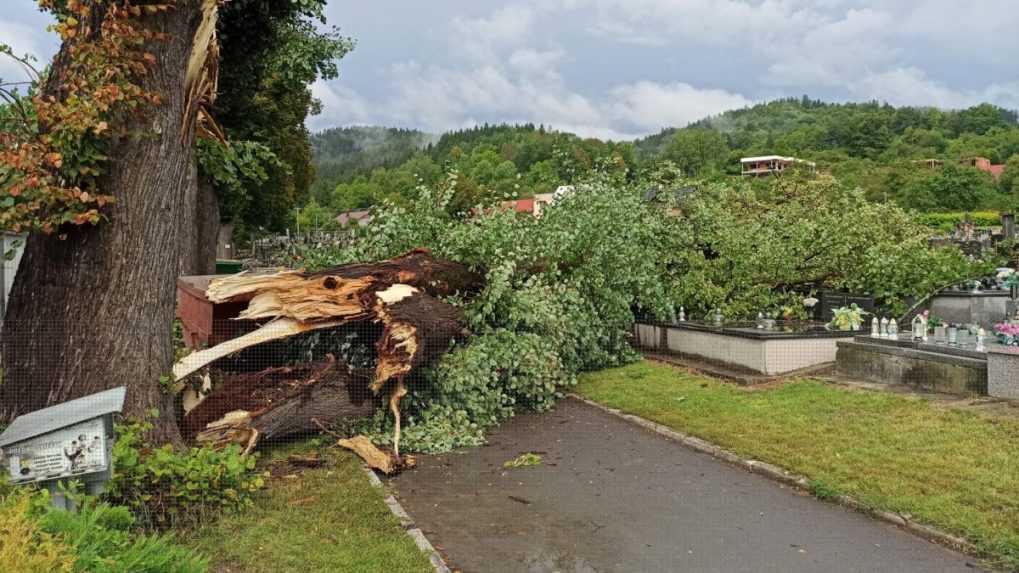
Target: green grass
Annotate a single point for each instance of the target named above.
(328, 519)
(957, 470)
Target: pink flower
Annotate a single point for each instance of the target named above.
(1007, 329)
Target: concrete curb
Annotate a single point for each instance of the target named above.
(794, 480)
(408, 525)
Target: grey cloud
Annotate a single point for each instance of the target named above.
(622, 68)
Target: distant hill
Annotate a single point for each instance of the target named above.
(878, 147)
(802, 126)
(341, 153)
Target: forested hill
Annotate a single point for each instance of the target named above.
(878, 147)
(866, 130)
(341, 153)
(355, 171)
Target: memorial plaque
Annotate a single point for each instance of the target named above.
(66, 453)
(69, 441)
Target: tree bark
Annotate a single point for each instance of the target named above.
(207, 225)
(93, 311)
(225, 241)
(282, 402)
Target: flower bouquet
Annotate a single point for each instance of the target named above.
(1008, 333)
(847, 318)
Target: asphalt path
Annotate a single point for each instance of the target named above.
(611, 496)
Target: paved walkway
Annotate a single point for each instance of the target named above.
(614, 497)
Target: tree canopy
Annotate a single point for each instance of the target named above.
(271, 52)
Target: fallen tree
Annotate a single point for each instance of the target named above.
(279, 402)
(400, 293)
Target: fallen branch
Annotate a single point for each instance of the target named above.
(386, 462)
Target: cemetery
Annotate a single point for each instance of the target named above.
(256, 318)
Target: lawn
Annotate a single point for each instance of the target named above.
(323, 520)
(957, 470)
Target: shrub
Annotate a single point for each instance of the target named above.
(946, 222)
(559, 298)
(102, 540)
(97, 538)
(24, 546)
(753, 251)
(164, 486)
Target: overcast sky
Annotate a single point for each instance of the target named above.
(622, 68)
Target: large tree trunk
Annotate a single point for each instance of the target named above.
(225, 241)
(207, 225)
(93, 311)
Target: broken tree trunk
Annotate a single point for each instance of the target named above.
(279, 402)
(401, 293)
(275, 330)
(342, 292)
(300, 301)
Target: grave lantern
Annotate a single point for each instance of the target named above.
(69, 441)
(919, 328)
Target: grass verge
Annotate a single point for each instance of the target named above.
(952, 469)
(323, 520)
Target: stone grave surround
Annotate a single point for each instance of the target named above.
(985, 308)
(930, 367)
(1003, 372)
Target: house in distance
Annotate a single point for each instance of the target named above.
(773, 165)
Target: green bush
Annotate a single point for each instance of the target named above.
(751, 251)
(946, 222)
(164, 486)
(96, 538)
(24, 546)
(101, 537)
(476, 387)
(559, 298)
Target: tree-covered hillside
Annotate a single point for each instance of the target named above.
(867, 130)
(877, 147)
(361, 167)
(341, 153)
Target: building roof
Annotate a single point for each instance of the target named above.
(519, 205)
(766, 158)
(62, 415)
(524, 206)
(774, 158)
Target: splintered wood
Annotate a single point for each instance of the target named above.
(401, 293)
(386, 462)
